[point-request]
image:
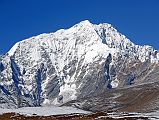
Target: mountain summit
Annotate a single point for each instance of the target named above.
(70, 64)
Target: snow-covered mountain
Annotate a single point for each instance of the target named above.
(86, 59)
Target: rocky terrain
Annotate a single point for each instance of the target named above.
(89, 66)
(141, 98)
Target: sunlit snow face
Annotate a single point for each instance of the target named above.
(114, 83)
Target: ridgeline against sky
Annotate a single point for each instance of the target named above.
(137, 19)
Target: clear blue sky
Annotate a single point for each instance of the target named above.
(20, 19)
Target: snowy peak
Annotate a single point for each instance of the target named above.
(85, 23)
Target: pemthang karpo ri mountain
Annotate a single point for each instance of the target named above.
(86, 66)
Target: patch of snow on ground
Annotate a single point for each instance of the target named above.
(44, 111)
(152, 115)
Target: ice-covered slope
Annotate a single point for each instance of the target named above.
(44, 111)
(85, 59)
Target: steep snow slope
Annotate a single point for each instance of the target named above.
(69, 64)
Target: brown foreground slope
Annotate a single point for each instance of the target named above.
(95, 116)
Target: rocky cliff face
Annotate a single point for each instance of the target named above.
(71, 64)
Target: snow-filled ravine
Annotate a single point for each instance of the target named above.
(45, 111)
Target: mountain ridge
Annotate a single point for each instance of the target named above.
(84, 23)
